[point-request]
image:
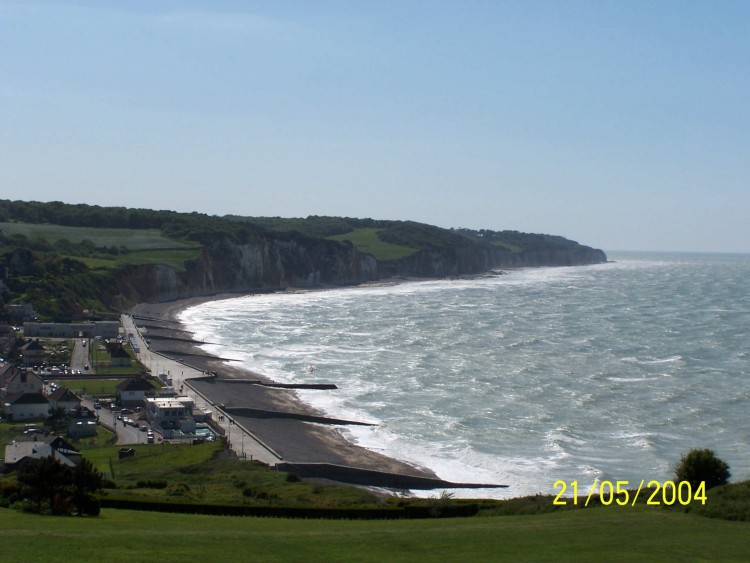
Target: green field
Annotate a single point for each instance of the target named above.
(133, 239)
(174, 258)
(508, 246)
(600, 534)
(367, 241)
(145, 246)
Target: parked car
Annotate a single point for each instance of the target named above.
(144, 428)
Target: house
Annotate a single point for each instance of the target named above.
(64, 398)
(25, 406)
(37, 447)
(21, 395)
(33, 353)
(170, 413)
(14, 380)
(132, 392)
(82, 424)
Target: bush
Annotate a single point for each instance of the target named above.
(151, 484)
(178, 490)
(702, 465)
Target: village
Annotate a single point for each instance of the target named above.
(61, 382)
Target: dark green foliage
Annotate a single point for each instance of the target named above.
(178, 490)
(48, 485)
(313, 226)
(10, 493)
(702, 465)
(81, 215)
(729, 502)
(151, 484)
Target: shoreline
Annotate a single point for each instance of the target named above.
(307, 441)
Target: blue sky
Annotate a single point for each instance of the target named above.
(623, 125)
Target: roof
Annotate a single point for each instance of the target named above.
(167, 403)
(55, 446)
(26, 399)
(63, 394)
(136, 384)
(7, 372)
(33, 345)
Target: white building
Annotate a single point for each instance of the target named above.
(170, 413)
(25, 406)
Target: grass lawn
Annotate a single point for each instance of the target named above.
(99, 387)
(598, 534)
(194, 475)
(368, 242)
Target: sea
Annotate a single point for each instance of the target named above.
(525, 378)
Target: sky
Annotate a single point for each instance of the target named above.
(622, 125)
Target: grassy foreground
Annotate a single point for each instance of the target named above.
(596, 534)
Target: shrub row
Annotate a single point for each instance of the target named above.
(386, 513)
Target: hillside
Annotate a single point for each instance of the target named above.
(66, 258)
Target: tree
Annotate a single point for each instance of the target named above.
(50, 485)
(702, 465)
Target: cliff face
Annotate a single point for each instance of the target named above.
(475, 260)
(263, 264)
(278, 263)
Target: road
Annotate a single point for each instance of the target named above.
(241, 440)
(79, 358)
(126, 434)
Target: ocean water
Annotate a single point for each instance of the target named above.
(608, 372)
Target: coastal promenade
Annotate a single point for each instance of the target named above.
(241, 440)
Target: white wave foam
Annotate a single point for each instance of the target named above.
(516, 379)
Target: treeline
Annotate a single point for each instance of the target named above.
(525, 241)
(197, 227)
(82, 215)
(413, 234)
